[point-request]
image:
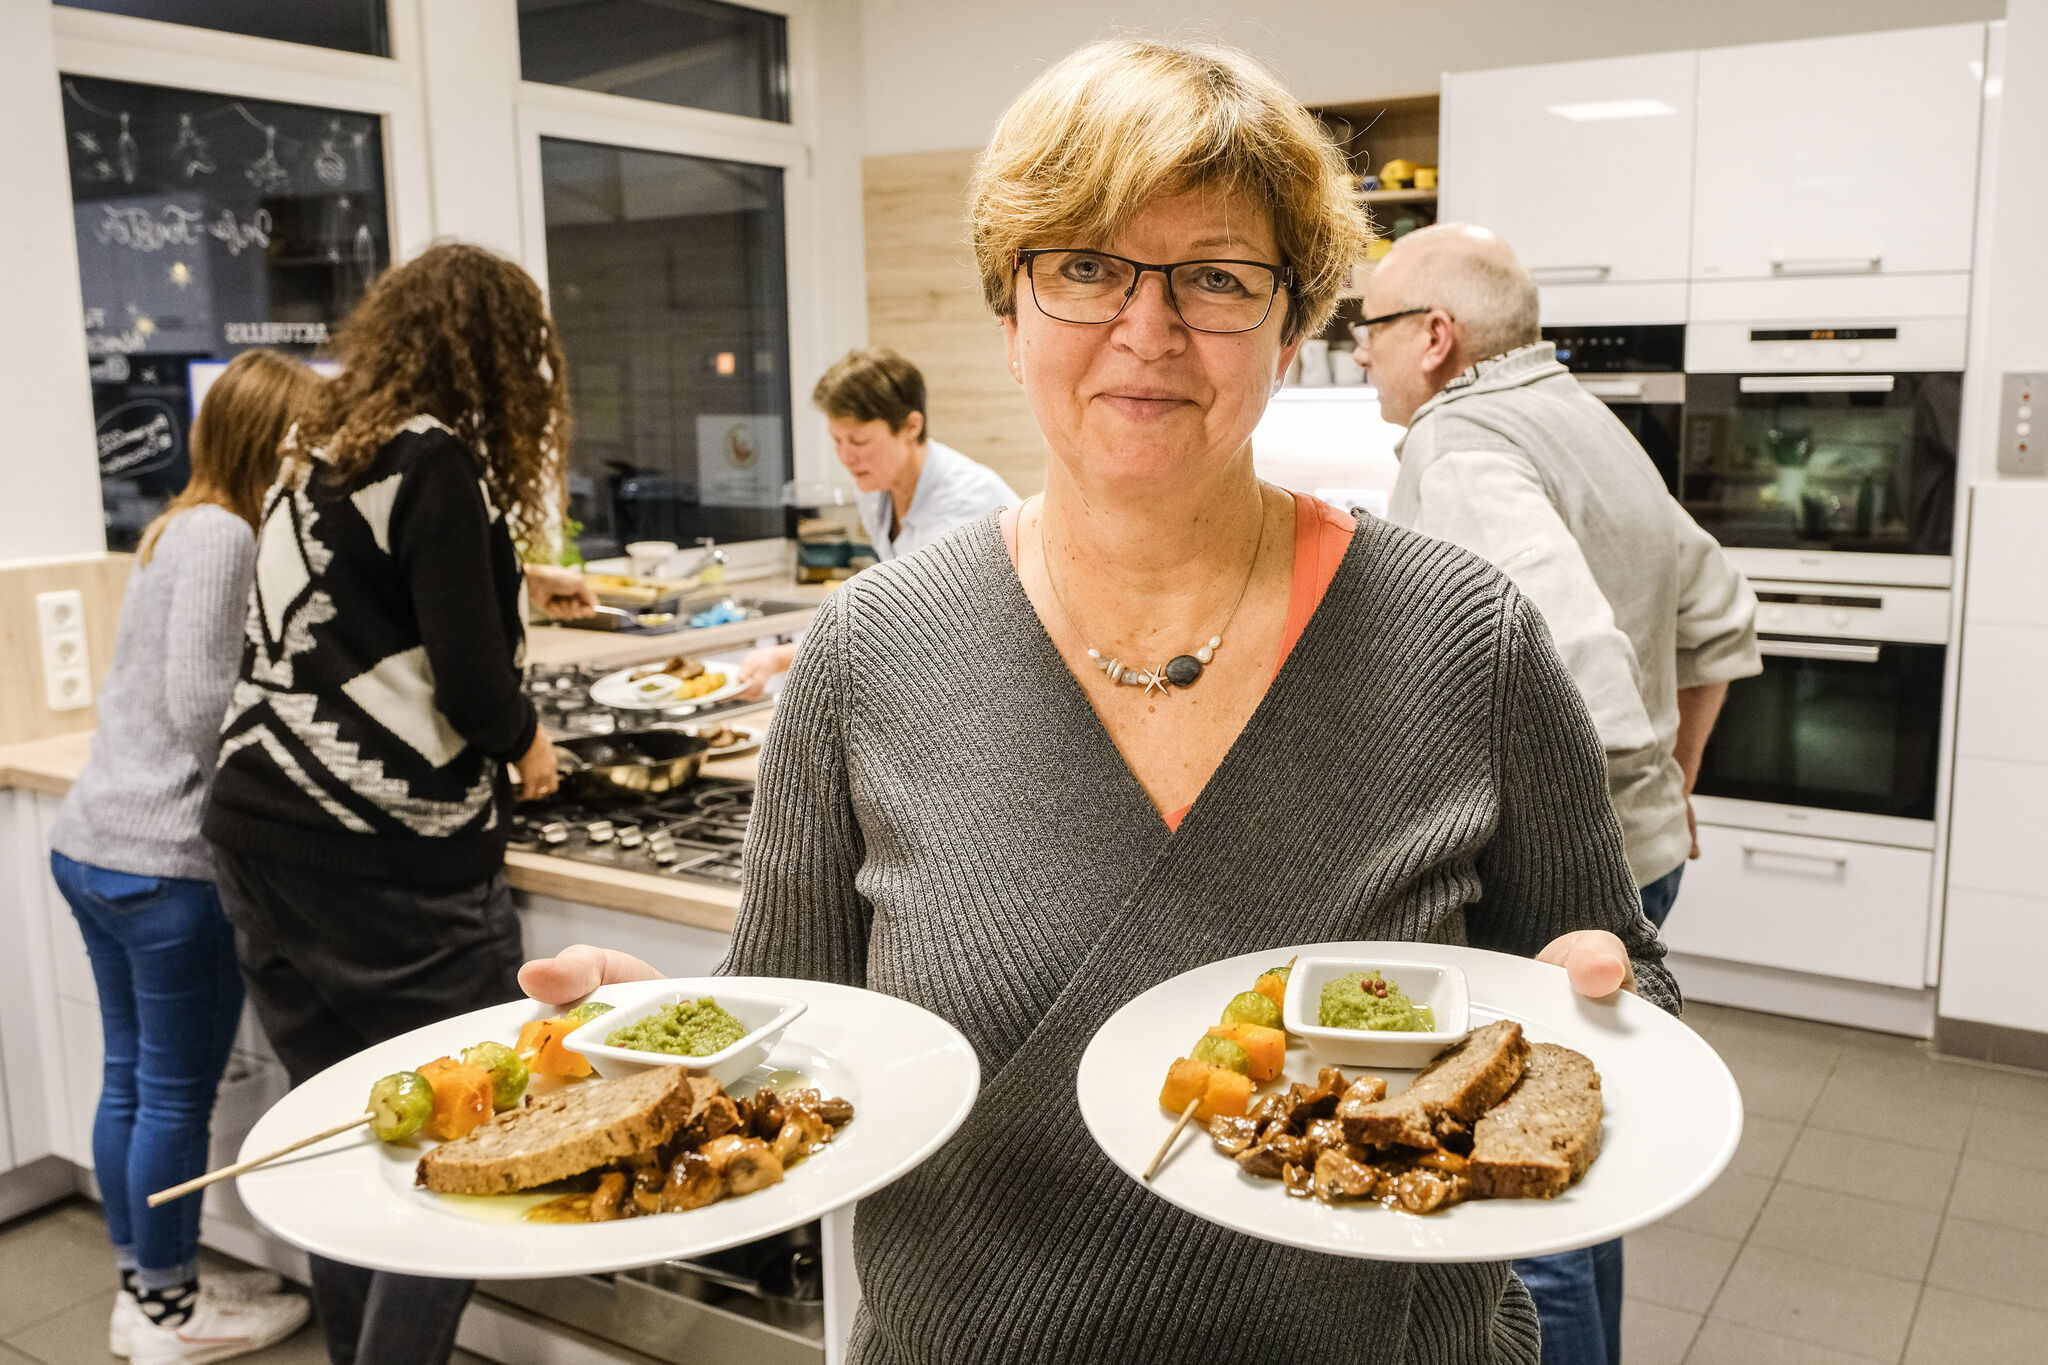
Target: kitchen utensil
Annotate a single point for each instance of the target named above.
(633, 763)
(649, 557)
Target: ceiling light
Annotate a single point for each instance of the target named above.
(1607, 109)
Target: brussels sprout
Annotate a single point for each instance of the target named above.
(1222, 1052)
(588, 1010)
(1252, 1007)
(400, 1105)
(508, 1072)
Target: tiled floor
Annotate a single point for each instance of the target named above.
(57, 1290)
(1885, 1206)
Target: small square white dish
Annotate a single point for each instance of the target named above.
(763, 1016)
(1437, 985)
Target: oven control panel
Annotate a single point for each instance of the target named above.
(1641, 348)
(1824, 346)
(1849, 611)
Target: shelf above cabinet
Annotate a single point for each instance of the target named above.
(1399, 196)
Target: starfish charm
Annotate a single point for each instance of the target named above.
(1156, 679)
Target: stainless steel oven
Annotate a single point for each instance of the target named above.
(1840, 734)
(1825, 453)
(1635, 369)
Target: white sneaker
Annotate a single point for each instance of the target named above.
(231, 1284)
(219, 1329)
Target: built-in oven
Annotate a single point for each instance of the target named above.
(1816, 796)
(1826, 453)
(1637, 371)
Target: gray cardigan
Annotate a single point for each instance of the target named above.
(136, 807)
(941, 816)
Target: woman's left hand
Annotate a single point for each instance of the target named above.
(1594, 959)
(563, 594)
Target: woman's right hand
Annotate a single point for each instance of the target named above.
(536, 768)
(761, 665)
(575, 972)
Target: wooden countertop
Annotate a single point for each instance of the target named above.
(50, 766)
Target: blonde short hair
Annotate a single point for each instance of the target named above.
(1123, 122)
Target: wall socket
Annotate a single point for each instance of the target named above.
(67, 666)
(2023, 425)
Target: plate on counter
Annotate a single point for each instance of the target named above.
(657, 691)
(1672, 1114)
(909, 1075)
(747, 738)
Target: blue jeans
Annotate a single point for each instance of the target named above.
(1659, 895)
(163, 958)
(1578, 1299)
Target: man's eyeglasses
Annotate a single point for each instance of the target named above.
(1210, 296)
(1362, 330)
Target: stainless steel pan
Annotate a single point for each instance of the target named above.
(633, 763)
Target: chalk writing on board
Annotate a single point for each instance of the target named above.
(138, 437)
(138, 229)
(274, 333)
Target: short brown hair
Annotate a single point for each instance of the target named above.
(242, 421)
(1123, 122)
(873, 385)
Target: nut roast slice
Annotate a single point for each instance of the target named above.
(1461, 1083)
(1545, 1134)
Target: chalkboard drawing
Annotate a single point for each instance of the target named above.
(129, 155)
(366, 258)
(191, 150)
(328, 164)
(140, 436)
(266, 173)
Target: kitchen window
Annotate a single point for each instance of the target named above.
(666, 274)
(206, 224)
(700, 54)
(344, 25)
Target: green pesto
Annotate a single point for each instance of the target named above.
(1347, 1003)
(688, 1028)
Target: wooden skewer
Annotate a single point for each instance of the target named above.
(212, 1177)
(1171, 1137)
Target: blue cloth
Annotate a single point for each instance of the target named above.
(163, 958)
(1578, 1299)
(1659, 895)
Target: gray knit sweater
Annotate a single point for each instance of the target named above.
(941, 816)
(136, 807)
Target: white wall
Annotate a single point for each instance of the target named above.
(1997, 911)
(940, 72)
(51, 506)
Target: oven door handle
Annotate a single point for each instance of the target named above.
(1827, 265)
(1841, 652)
(1543, 273)
(1818, 383)
(1832, 854)
(1613, 388)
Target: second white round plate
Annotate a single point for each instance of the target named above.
(621, 690)
(1672, 1114)
(910, 1076)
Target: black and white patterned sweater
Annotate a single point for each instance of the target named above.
(379, 696)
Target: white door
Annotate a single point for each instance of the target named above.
(1584, 167)
(1854, 155)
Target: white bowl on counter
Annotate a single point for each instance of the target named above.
(763, 1016)
(1437, 985)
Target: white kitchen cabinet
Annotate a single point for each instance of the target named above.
(1585, 168)
(1826, 907)
(1853, 155)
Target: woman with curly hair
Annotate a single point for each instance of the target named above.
(358, 814)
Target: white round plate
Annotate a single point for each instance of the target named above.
(747, 745)
(910, 1076)
(1672, 1114)
(616, 689)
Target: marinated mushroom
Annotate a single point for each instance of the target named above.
(692, 1183)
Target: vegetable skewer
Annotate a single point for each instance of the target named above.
(1172, 1137)
(215, 1176)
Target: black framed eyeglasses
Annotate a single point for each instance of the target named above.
(1210, 296)
(1363, 325)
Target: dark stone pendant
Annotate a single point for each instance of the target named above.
(1183, 669)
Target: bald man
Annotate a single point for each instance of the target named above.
(1506, 456)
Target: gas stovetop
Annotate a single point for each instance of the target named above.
(693, 834)
(561, 693)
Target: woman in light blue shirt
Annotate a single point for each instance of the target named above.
(913, 490)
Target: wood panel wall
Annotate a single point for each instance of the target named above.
(924, 300)
(100, 581)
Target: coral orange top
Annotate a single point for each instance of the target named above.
(1321, 535)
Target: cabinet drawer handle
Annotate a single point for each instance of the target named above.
(1597, 272)
(1750, 850)
(1817, 383)
(1825, 265)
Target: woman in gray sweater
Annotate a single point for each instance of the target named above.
(1163, 715)
(128, 856)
